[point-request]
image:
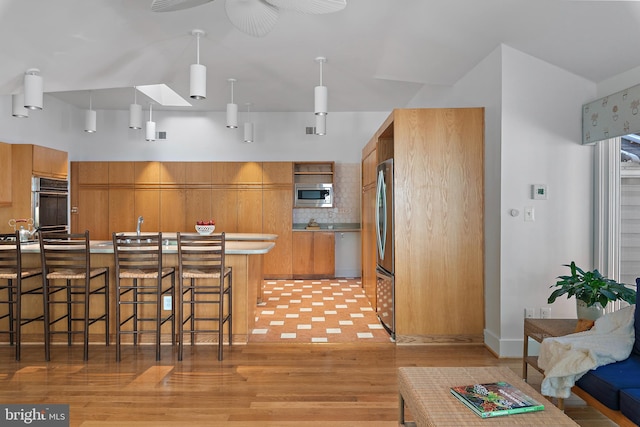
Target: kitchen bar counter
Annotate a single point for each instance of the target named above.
(245, 256)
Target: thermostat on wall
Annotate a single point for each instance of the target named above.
(539, 192)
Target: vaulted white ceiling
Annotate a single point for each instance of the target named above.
(379, 52)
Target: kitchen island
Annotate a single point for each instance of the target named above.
(245, 255)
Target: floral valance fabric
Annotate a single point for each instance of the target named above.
(614, 115)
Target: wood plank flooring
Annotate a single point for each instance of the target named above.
(259, 384)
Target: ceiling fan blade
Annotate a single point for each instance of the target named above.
(254, 17)
(171, 5)
(315, 7)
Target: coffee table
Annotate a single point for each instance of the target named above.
(426, 393)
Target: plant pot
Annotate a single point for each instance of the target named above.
(590, 313)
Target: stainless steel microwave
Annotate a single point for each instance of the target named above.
(313, 196)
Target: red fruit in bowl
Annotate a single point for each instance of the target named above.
(200, 222)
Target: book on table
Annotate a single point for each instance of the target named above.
(495, 399)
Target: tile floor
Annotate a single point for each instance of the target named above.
(316, 311)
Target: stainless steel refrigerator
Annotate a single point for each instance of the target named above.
(385, 284)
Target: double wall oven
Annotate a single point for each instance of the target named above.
(50, 203)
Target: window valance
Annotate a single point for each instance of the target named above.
(614, 115)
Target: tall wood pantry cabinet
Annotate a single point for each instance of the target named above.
(438, 221)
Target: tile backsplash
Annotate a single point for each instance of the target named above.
(346, 207)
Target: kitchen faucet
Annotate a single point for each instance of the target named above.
(140, 221)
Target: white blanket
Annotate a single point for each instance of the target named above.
(566, 359)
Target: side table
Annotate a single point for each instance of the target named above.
(539, 329)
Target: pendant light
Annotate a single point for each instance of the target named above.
(17, 106)
(198, 72)
(321, 92)
(135, 112)
(90, 117)
(151, 126)
(232, 109)
(33, 89)
(248, 126)
(321, 125)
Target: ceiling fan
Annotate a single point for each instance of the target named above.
(255, 17)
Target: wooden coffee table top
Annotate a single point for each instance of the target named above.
(426, 394)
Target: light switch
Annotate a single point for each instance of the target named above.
(529, 213)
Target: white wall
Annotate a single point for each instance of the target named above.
(541, 144)
(203, 136)
(51, 127)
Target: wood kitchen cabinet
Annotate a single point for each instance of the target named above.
(51, 163)
(18, 164)
(277, 218)
(368, 241)
(313, 254)
(5, 174)
(438, 222)
(90, 203)
(243, 197)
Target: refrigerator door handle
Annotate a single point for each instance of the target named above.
(381, 205)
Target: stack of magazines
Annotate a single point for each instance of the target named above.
(495, 399)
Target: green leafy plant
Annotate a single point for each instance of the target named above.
(591, 287)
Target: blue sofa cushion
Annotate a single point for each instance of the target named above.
(630, 404)
(605, 382)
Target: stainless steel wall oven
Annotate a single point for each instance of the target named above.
(49, 203)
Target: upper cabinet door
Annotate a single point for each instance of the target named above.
(48, 162)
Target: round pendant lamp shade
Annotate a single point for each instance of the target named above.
(321, 124)
(248, 132)
(90, 121)
(321, 95)
(135, 116)
(151, 131)
(232, 116)
(198, 72)
(232, 109)
(198, 82)
(33, 95)
(17, 106)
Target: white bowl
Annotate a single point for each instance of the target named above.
(205, 229)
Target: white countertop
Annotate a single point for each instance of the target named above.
(228, 236)
(232, 247)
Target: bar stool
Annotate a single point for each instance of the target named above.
(202, 274)
(140, 289)
(69, 288)
(12, 271)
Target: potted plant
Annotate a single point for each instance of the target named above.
(592, 290)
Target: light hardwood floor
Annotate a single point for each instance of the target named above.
(257, 384)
